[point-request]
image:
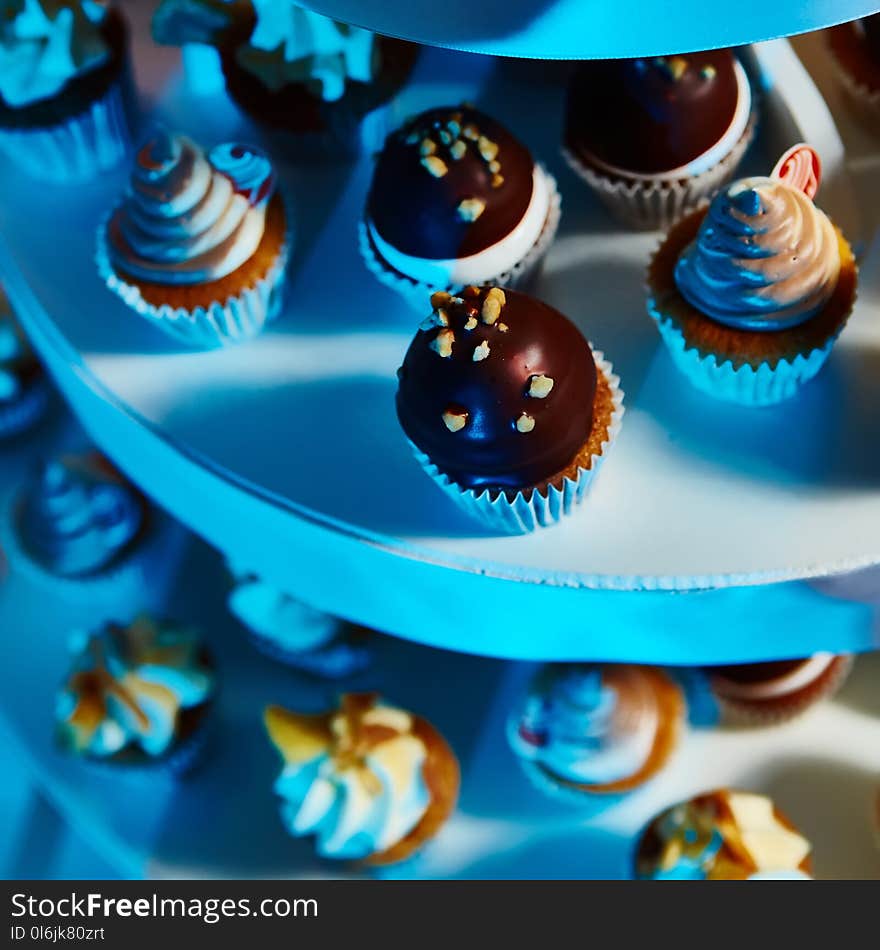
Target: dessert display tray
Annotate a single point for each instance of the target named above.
(286, 451)
(223, 820)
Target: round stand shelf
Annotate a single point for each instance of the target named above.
(286, 451)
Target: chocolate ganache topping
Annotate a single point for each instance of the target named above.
(653, 115)
(449, 184)
(497, 388)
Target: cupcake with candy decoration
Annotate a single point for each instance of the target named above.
(24, 391)
(371, 782)
(137, 696)
(723, 835)
(507, 406)
(456, 199)
(318, 88)
(285, 629)
(199, 243)
(587, 729)
(654, 137)
(750, 294)
(767, 693)
(64, 88)
(855, 51)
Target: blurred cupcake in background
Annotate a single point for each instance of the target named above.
(79, 529)
(24, 389)
(317, 87)
(588, 729)
(751, 293)
(65, 89)
(456, 199)
(767, 693)
(137, 695)
(723, 835)
(199, 243)
(285, 629)
(653, 137)
(855, 52)
(371, 782)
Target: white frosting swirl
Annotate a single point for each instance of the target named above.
(189, 218)
(293, 45)
(46, 43)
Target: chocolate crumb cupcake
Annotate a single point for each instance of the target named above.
(507, 406)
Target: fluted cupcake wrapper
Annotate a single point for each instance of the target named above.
(222, 323)
(531, 509)
(417, 293)
(26, 410)
(655, 205)
(78, 148)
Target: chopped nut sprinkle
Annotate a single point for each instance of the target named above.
(442, 343)
(503, 328)
(471, 291)
(445, 137)
(455, 420)
(497, 181)
(498, 293)
(678, 67)
(436, 166)
(458, 149)
(427, 147)
(440, 298)
(470, 323)
(488, 148)
(495, 166)
(470, 131)
(525, 423)
(471, 208)
(481, 352)
(442, 318)
(708, 72)
(539, 386)
(491, 310)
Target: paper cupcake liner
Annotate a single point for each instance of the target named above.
(530, 509)
(417, 293)
(336, 660)
(754, 714)
(78, 148)
(655, 205)
(744, 385)
(234, 320)
(25, 411)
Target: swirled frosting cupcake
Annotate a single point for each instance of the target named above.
(370, 781)
(136, 694)
(751, 294)
(198, 244)
(24, 392)
(63, 75)
(596, 729)
(723, 835)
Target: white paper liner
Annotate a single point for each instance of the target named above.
(78, 148)
(239, 318)
(25, 411)
(531, 509)
(417, 293)
(655, 205)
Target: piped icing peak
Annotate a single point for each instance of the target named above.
(353, 777)
(77, 516)
(765, 257)
(46, 43)
(588, 724)
(188, 217)
(130, 686)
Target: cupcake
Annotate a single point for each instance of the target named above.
(316, 87)
(455, 200)
(763, 693)
(723, 835)
(198, 245)
(596, 729)
(655, 137)
(137, 696)
(855, 51)
(507, 407)
(750, 294)
(79, 529)
(371, 782)
(285, 629)
(64, 88)
(24, 391)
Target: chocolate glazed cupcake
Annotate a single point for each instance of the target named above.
(655, 137)
(855, 51)
(508, 408)
(766, 693)
(456, 200)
